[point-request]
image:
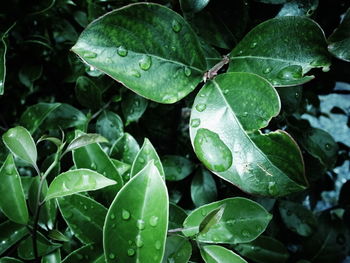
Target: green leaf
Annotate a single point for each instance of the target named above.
(57, 236)
(12, 201)
(264, 249)
(146, 154)
(291, 98)
(218, 254)
(339, 41)
(176, 216)
(147, 48)
(87, 93)
(123, 169)
(293, 53)
(19, 141)
(193, 6)
(242, 221)
(125, 149)
(75, 181)
(133, 107)
(137, 220)
(84, 216)
(88, 254)
(176, 167)
(211, 219)
(297, 218)
(3, 50)
(25, 248)
(54, 257)
(177, 250)
(203, 188)
(10, 234)
(110, 125)
(10, 260)
(226, 119)
(85, 140)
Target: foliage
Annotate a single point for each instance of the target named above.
(175, 131)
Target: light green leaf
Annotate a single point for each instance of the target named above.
(299, 46)
(87, 93)
(176, 167)
(211, 219)
(19, 141)
(203, 188)
(264, 249)
(146, 154)
(10, 260)
(133, 107)
(75, 181)
(84, 216)
(85, 140)
(137, 220)
(90, 253)
(177, 250)
(110, 125)
(12, 201)
(54, 257)
(218, 254)
(57, 236)
(242, 221)
(147, 48)
(226, 119)
(10, 234)
(339, 41)
(125, 149)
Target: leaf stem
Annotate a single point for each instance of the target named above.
(211, 73)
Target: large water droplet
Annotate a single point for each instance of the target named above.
(187, 71)
(131, 252)
(176, 26)
(290, 72)
(145, 63)
(201, 107)
(140, 224)
(195, 123)
(153, 220)
(122, 51)
(89, 54)
(125, 214)
(212, 151)
(138, 241)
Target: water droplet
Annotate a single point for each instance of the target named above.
(9, 169)
(145, 63)
(326, 68)
(327, 146)
(297, 95)
(259, 228)
(245, 233)
(131, 252)
(111, 256)
(244, 114)
(122, 51)
(135, 73)
(267, 70)
(253, 45)
(169, 99)
(158, 245)
(187, 71)
(195, 123)
(272, 188)
(140, 224)
(153, 221)
(93, 166)
(212, 151)
(141, 160)
(201, 107)
(203, 212)
(89, 54)
(125, 214)
(139, 241)
(85, 207)
(290, 72)
(112, 216)
(176, 26)
(226, 91)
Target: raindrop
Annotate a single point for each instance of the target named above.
(158, 245)
(201, 107)
(89, 54)
(259, 228)
(326, 68)
(9, 169)
(267, 70)
(125, 214)
(272, 188)
(187, 71)
(327, 146)
(140, 224)
(145, 63)
(245, 233)
(112, 216)
(135, 73)
(195, 123)
(111, 256)
(203, 213)
(244, 114)
(253, 45)
(297, 95)
(290, 72)
(153, 221)
(226, 91)
(141, 160)
(85, 207)
(93, 166)
(122, 51)
(212, 151)
(139, 241)
(176, 26)
(131, 252)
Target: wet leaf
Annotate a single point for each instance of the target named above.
(87, 93)
(203, 188)
(218, 254)
(110, 125)
(125, 149)
(176, 167)
(10, 234)
(133, 107)
(177, 250)
(89, 254)
(85, 140)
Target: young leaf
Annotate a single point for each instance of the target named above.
(125, 149)
(218, 254)
(84, 140)
(90, 253)
(226, 119)
(211, 219)
(164, 44)
(339, 41)
(299, 46)
(87, 93)
(133, 106)
(137, 220)
(12, 201)
(264, 249)
(146, 154)
(10, 234)
(110, 125)
(76, 181)
(177, 249)
(34, 115)
(176, 167)
(84, 216)
(19, 141)
(203, 188)
(242, 221)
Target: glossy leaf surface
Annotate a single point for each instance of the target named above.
(340, 40)
(75, 181)
(193, 6)
(176, 216)
(134, 230)
(226, 119)
(12, 201)
(146, 154)
(19, 141)
(3, 51)
(218, 254)
(10, 234)
(176, 167)
(54, 257)
(241, 221)
(10, 260)
(133, 107)
(90, 253)
(178, 249)
(203, 188)
(110, 125)
(154, 64)
(125, 149)
(292, 55)
(87, 93)
(84, 216)
(85, 139)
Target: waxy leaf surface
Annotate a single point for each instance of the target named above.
(178, 249)
(90, 253)
(10, 234)
(298, 46)
(137, 221)
(218, 254)
(147, 47)
(226, 119)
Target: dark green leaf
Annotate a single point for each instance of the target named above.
(12, 201)
(299, 8)
(10, 234)
(133, 107)
(290, 98)
(203, 188)
(125, 149)
(54, 257)
(10, 260)
(242, 221)
(85, 140)
(88, 254)
(110, 125)
(146, 47)
(177, 250)
(87, 93)
(75, 181)
(57, 236)
(218, 254)
(137, 220)
(176, 167)
(226, 119)
(193, 6)
(176, 216)
(293, 53)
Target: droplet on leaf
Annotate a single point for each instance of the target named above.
(201, 107)
(145, 63)
(195, 123)
(176, 26)
(122, 51)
